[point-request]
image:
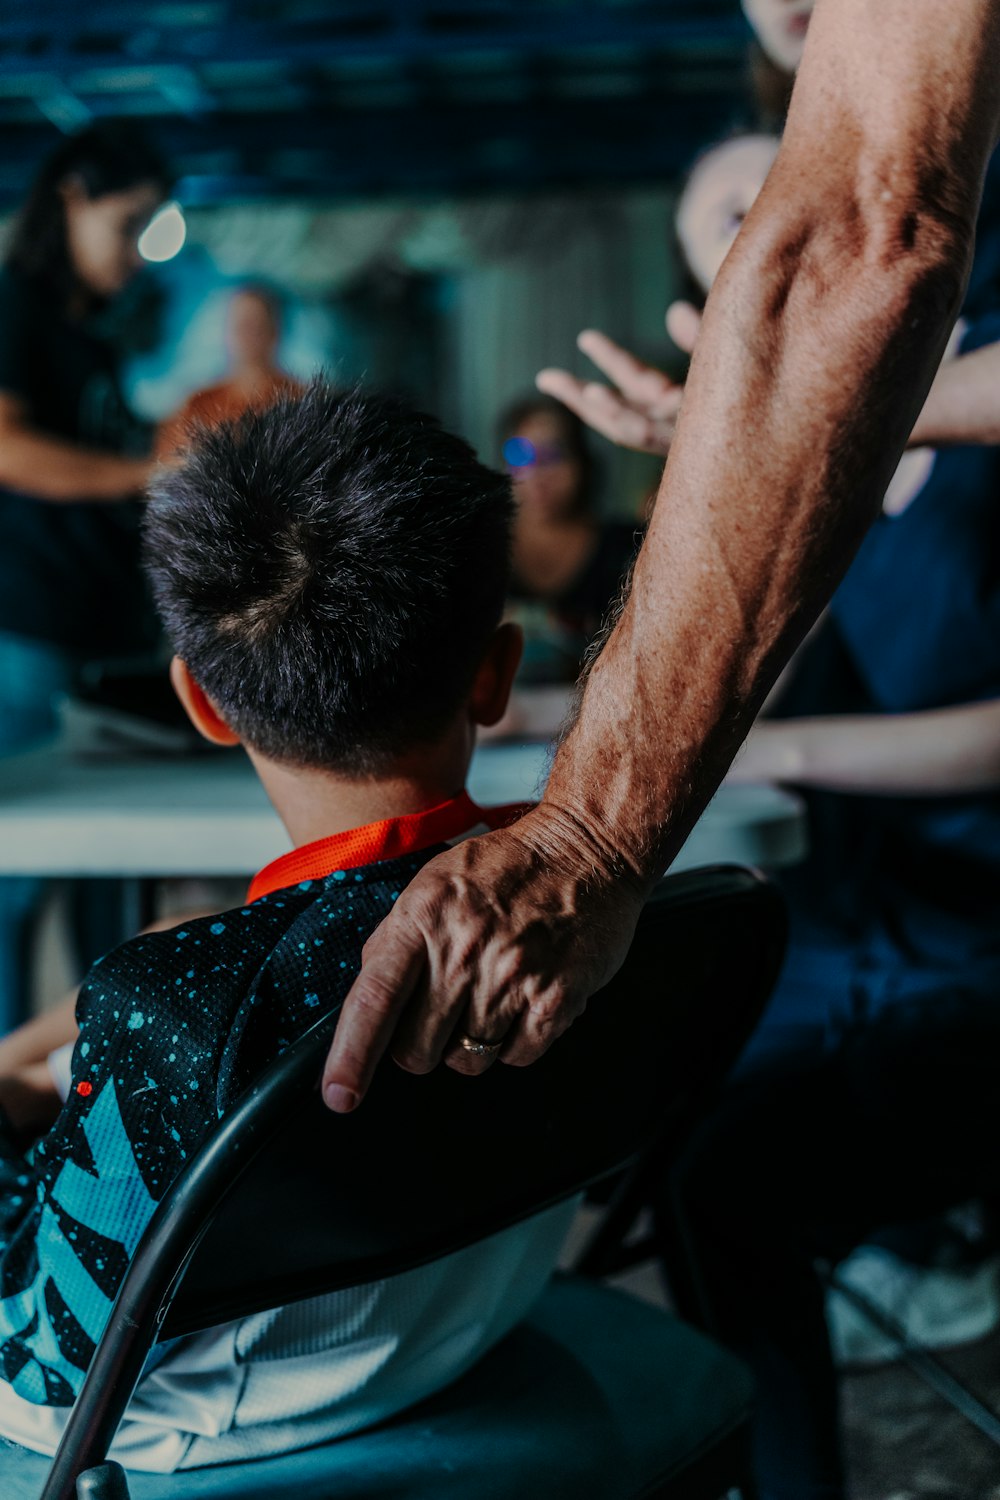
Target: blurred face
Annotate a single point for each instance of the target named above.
(102, 234)
(780, 26)
(546, 477)
(718, 198)
(251, 330)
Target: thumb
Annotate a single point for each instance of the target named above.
(683, 325)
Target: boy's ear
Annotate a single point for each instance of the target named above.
(495, 677)
(199, 707)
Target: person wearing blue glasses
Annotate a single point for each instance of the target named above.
(569, 562)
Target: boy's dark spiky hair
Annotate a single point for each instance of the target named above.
(331, 570)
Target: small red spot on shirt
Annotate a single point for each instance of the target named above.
(84, 1088)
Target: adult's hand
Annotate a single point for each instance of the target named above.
(503, 938)
(640, 408)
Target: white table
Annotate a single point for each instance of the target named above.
(207, 815)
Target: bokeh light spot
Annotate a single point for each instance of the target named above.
(164, 235)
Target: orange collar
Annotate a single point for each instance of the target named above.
(388, 839)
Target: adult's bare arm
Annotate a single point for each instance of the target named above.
(33, 1041)
(935, 752)
(816, 352)
(963, 405)
(55, 469)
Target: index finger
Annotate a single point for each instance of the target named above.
(633, 377)
(564, 386)
(394, 960)
(597, 405)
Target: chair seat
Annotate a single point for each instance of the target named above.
(596, 1394)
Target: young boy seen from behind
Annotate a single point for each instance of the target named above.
(331, 574)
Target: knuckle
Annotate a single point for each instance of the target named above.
(554, 1012)
(372, 995)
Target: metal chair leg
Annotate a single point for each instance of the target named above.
(923, 1362)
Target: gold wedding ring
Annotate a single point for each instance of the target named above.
(478, 1047)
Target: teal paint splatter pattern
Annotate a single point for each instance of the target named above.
(173, 1027)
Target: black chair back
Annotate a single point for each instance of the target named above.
(287, 1201)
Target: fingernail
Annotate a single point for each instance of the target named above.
(339, 1099)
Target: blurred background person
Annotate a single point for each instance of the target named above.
(720, 190)
(255, 379)
(569, 564)
(73, 461)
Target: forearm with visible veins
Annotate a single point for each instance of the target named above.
(818, 346)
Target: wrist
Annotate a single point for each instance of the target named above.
(576, 840)
(775, 751)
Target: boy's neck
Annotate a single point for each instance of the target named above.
(316, 804)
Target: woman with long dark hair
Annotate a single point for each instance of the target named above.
(73, 460)
(569, 563)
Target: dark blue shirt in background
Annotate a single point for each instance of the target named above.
(901, 895)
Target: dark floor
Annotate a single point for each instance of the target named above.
(903, 1441)
(906, 1443)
